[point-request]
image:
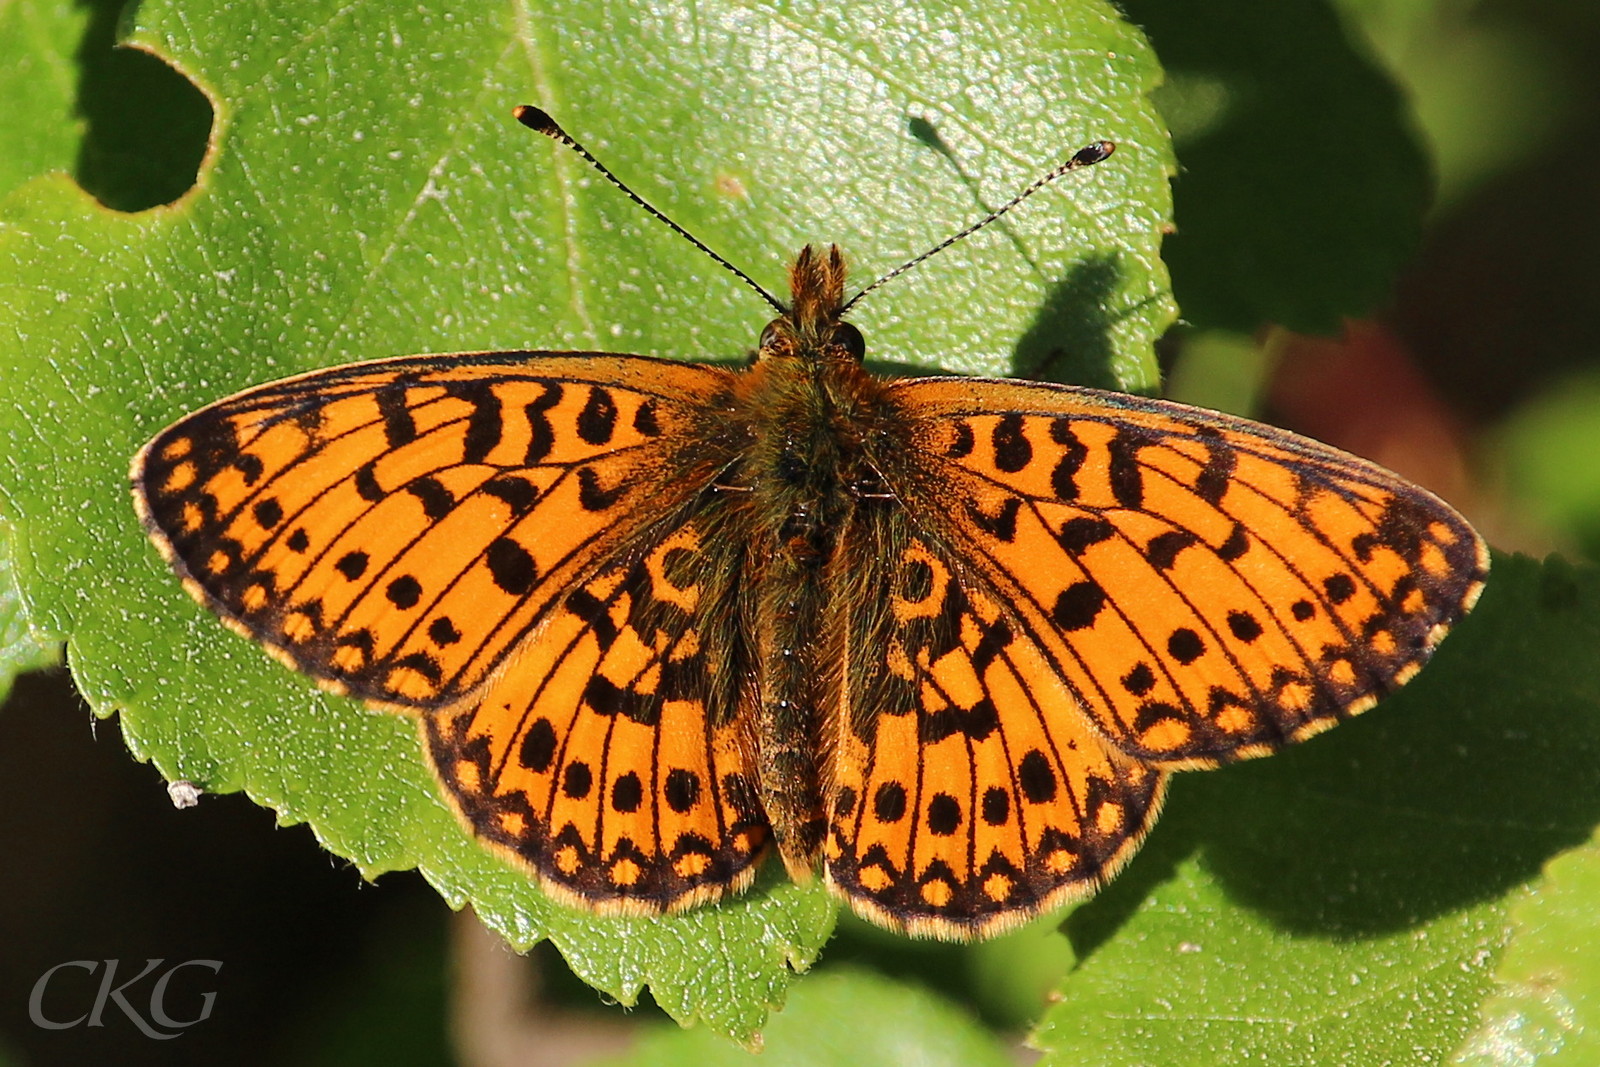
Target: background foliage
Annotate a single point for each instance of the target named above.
(255, 191)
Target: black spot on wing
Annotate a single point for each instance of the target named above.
(844, 801)
(683, 790)
(1080, 534)
(1078, 605)
(962, 441)
(1012, 450)
(442, 631)
(1002, 525)
(485, 424)
(404, 592)
(577, 780)
(1217, 473)
(422, 663)
(976, 723)
(1036, 777)
(519, 494)
(1127, 477)
(595, 497)
(644, 419)
(267, 513)
(398, 426)
(367, 486)
(1163, 549)
(541, 435)
(511, 566)
(1140, 680)
(1063, 478)
(436, 499)
(944, 815)
(889, 802)
(1244, 626)
(996, 806)
(1185, 645)
(538, 747)
(597, 422)
(606, 697)
(627, 793)
(249, 466)
(1237, 544)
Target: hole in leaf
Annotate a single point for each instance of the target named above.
(148, 125)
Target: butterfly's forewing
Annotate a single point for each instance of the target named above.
(968, 792)
(613, 754)
(394, 528)
(1209, 588)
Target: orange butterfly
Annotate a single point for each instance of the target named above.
(944, 637)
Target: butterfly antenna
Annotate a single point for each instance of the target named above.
(540, 121)
(1087, 156)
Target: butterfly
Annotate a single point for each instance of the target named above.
(945, 639)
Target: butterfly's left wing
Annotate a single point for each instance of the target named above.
(513, 545)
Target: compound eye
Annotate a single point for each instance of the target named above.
(849, 338)
(769, 334)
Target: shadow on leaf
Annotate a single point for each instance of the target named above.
(1454, 791)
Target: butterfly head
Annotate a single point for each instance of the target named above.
(812, 328)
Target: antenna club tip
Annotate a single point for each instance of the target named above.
(535, 119)
(1091, 154)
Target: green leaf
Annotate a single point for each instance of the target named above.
(1551, 451)
(839, 1017)
(1347, 900)
(22, 648)
(40, 136)
(1543, 1009)
(367, 194)
(37, 82)
(1303, 185)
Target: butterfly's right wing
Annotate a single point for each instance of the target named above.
(394, 529)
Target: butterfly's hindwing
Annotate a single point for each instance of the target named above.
(613, 755)
(967, 790)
